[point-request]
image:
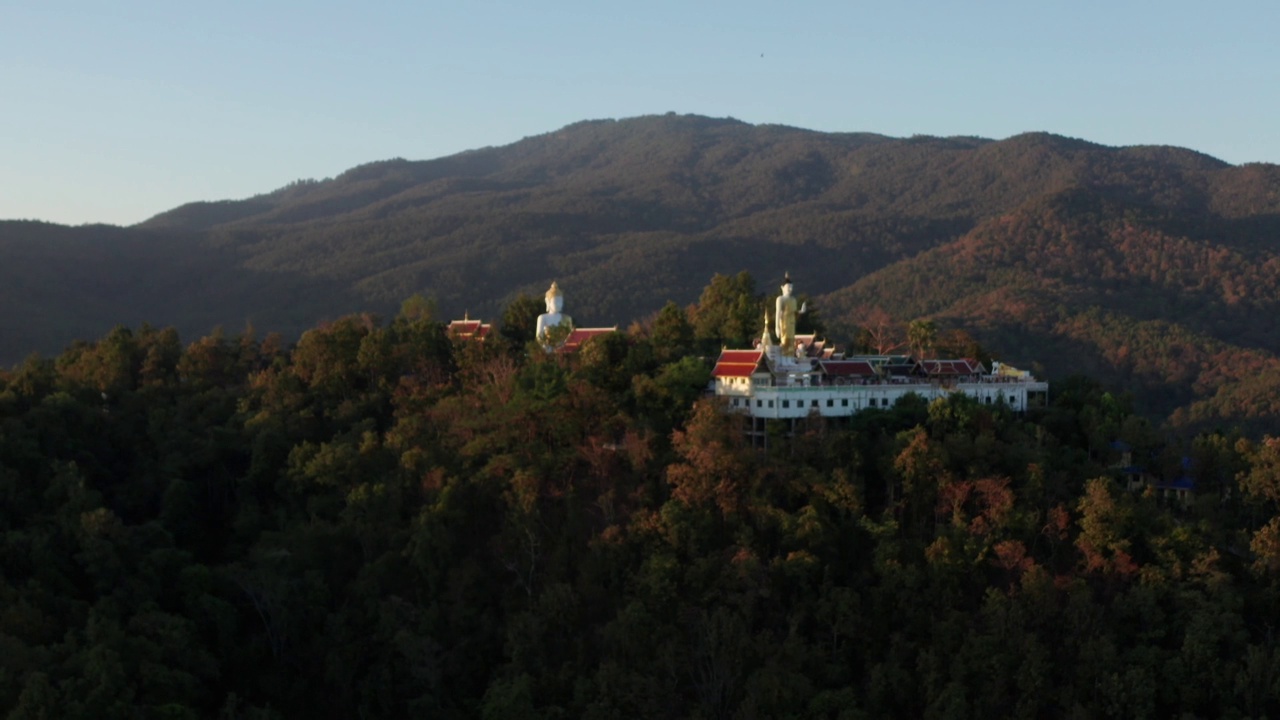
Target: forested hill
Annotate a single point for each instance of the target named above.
(381, 523)
(1050, 249)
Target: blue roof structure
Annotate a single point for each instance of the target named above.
(1182, 483)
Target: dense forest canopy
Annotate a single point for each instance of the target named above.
(1152, 268)
(382, 521)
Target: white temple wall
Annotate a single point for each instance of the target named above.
(842, 401)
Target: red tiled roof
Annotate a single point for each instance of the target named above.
(963, 366)
(737, 363)
(813, 347)
(848, 368)
(469, 329)
(580, 335)
(734, 370)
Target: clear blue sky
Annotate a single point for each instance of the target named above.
(115, 111)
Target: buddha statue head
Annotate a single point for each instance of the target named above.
(555, 299)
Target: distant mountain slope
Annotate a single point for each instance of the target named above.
(1015, 237)
(59, 284)
(1078, 282)
(668, 199)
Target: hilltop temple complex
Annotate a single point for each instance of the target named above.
(800, 375)
(797, 376)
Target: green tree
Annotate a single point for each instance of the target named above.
(922, 336)
(672, 334)
(729, 312)
(520, 320)
(418, 309)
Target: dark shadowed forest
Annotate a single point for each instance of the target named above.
(383, 521)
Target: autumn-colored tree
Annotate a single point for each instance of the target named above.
(1104, 530)
(879, 333)
(712, 470)
(919, 470)
(1261, 482)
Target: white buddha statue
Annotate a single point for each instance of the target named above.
(553, 325)
(786, 309)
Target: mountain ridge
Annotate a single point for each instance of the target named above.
(628, 214)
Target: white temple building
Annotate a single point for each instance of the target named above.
(774, 381)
